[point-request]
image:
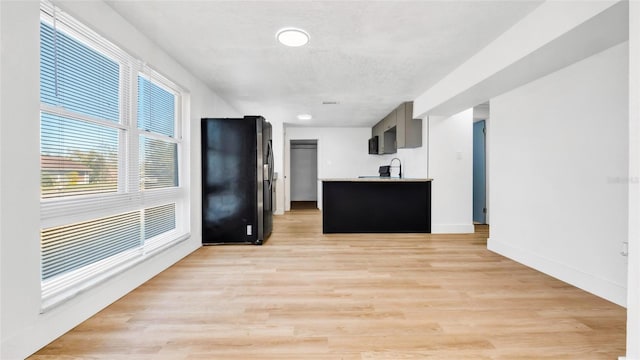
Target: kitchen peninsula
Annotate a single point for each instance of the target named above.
(376, 205)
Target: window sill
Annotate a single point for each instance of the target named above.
(53, 297)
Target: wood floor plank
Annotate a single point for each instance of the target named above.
(306, 295)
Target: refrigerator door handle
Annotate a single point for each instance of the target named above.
(269, 165)
(266, 173)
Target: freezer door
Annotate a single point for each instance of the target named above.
(268, 185)
(265, 176)
(229, 181)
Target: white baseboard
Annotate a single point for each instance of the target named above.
(603, 288)
(452, 229)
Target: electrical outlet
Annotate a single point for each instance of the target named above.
(625, 248)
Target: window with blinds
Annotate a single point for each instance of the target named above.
(79, 141)
(158, 149)
(110, 146)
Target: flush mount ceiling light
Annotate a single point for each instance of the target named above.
(292, 37)
(304, 117)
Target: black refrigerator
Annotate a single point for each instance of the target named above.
(237, 180)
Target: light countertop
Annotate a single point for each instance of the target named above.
(378, 179)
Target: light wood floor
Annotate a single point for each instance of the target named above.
(304, 295)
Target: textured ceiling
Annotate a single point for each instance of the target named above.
(367, 55)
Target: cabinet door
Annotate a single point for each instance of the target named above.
(413, 128)
(409, 130)
(390, 141)
(401, 126)
(391, 122)
(377, 131)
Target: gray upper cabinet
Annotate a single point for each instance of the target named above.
(408, 129)
(389, 121)
(398, 130)
(378, 131)
(385, 131)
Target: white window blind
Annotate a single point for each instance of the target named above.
(77, 157)
(158, 165)
(79, 132)
(156, 108)
(110, 148)
(158, 220)
(84, 243)
(158, 147)
(77, 77)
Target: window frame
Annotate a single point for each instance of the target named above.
(129, 196)
(164, 83)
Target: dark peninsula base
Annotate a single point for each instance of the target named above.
(384, 206)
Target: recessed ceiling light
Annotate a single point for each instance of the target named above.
(304, 117)
(292, 37)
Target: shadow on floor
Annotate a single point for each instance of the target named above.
(304, 205)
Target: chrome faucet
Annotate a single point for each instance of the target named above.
(399, 166)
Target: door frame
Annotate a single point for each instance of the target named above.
(484, 212)
(287, 170)
(304, 173)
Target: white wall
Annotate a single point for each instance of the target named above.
(559, 160)
(414, 161)
(20, 188)
(451, 167)
(633, 282)
(23, 329)
(343, 153)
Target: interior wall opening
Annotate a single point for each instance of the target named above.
(304, 174)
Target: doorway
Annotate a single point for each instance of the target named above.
(304, 174)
